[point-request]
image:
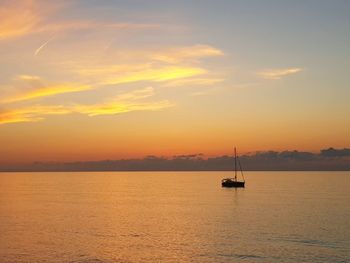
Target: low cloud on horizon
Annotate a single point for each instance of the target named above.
(327, 160)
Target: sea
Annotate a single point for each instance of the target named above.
(95, 217)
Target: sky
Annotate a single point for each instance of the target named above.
(95, 80)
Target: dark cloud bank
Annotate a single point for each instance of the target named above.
(328, 160)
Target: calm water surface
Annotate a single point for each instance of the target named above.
(174, 217)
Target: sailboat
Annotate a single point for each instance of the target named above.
(233, 182)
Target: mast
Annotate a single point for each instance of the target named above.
(235, 165)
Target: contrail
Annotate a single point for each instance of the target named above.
(37, 51)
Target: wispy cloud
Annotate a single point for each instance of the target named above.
(118, 107)
(49, 91)
(155, 74)
(39, 90)
(89, 25)
(149, 65)
(126, 102)
(136, 94)
(97, 75)
(32, 113)
(29, 78)
(24, 17)
(278, 73)
(193, 82)
(64, 70)
(176, 55)
(111, 74)
(13, 24)
(166, 55)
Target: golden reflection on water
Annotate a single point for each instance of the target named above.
(174, 217)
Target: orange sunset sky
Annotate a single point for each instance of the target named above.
(92, 80)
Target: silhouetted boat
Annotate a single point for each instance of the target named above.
(233, 182)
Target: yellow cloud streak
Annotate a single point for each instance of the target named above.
(123, 103)
(158, 75)
(31, 114)
(278, 73)
(121, 107)
(47, 92)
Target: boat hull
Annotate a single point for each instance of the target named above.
(234, 184)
